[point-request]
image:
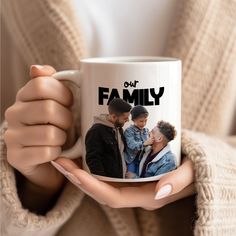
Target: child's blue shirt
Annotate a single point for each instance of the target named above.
(135, 138)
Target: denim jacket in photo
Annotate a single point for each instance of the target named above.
(135, 138)
(163, 162)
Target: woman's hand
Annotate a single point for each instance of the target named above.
(174, 185)
(37, 124)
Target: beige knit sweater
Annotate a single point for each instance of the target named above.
(204, 37)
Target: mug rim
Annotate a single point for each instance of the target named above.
(129, 60)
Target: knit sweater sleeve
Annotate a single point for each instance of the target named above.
(215, 180)
(15, 220)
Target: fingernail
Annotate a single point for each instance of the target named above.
(73, 179)
(163, 192)
(39, 67)
(67, 174)
(59, 167)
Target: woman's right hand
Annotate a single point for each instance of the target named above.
(37, 124)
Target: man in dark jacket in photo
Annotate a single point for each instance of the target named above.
(105, 142)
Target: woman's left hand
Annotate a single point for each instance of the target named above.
(171, 187)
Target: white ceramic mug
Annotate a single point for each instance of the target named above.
(156, 80)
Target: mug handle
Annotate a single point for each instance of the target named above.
(75, 77)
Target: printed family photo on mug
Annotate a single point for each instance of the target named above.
(134, 152)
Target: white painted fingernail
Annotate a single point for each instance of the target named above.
(73, 179)
(39, 67)
(59, 167)
(163, 192)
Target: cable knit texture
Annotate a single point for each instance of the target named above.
(46, 32)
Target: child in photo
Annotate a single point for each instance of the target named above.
(137, 138)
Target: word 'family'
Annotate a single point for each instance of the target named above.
(145, 96)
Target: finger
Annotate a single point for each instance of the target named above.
(38, 135)
(41, 112)
(115, 197)
(176, 180)
(65, 170)
(41, 70)
(67, 164)
(186, 192)
(22, 158)
(70, 165)
(153, 204)
(100, 191)
(45, 88)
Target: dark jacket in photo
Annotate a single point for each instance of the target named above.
(104, 144)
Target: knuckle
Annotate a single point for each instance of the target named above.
(40, 85)
(54, 134)
(11, 158)
(46, 153)
(49, 108)
(62, 137)
(7, 136)
(19, 92)
(50, 153)
(9, 113)
(50, 133)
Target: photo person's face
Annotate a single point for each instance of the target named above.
(140, 122)
(156, 134)
(122, 119)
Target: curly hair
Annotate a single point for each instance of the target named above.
(167, 130)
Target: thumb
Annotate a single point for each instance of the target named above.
(175, 181)
(39, 70)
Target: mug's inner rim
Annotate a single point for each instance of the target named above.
(121, 60)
